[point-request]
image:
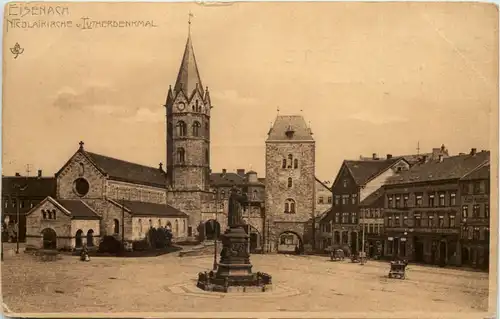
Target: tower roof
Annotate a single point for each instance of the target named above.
(290, 128)
(188, 78)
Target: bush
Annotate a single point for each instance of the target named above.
(109, 244)
(159, 238)
(141, 245)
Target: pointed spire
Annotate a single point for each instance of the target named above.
(188, 78)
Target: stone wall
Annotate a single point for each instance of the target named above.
(135, 192)
(190, 203)
(35, 224)
(85, 226)
(80, 167)
(301, 191)
(142, 224)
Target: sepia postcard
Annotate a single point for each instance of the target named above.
(250, 159)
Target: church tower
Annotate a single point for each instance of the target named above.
(188, 140)
(188, 128)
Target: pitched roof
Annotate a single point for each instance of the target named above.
(188, 78)
(295, 124)
(365, 170)
(137, 208)
(453, 167)
(78, 209)
(130, 172)
(375, 199)
(322, 184)
(230, 178)
(36, 186)
(482, 172)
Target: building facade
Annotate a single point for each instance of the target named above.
(475, 217)
(421, 210)
(355, 181)
(97, 196)
(22, 193)
(290, 184)
(371, 221)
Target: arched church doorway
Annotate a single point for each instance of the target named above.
(289, 242)
(78, 238)
(212, 229)
(49, 237)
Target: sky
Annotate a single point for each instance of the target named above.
(368, 77)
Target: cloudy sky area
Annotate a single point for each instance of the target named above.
(370, 78)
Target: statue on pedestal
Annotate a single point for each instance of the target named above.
(237, 202)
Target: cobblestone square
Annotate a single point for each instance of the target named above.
(167, 284)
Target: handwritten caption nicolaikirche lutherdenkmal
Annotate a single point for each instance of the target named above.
(41, 16)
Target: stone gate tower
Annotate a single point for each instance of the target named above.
(290, 181)
(188, 140)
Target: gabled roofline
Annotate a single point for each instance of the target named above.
(93, 211)
(322, 183)
(79, 151)
(340, 170)
(53, 202)
(380, 172)
(116, 203)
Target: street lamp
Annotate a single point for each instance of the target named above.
(19, 189)
(215, 229)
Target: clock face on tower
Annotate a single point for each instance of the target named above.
(181, 106)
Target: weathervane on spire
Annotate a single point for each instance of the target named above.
(189, 21)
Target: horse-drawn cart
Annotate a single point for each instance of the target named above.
(337, 254)
(398, 269)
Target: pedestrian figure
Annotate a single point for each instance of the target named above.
(84, 254)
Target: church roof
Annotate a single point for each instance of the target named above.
(188, 78)
(78, 209)
(137, 208)
(128, 172)
(290, 128)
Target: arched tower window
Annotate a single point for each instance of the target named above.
(181, 155)
(290, 160)
(196, 128)
(295, 163)
(81, 169)
(116, 228)
(181, 128)
(290, 206)
(254, 194)
(198, 106)
(284, 163)
(290, 182)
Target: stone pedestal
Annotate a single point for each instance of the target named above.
(234, 268)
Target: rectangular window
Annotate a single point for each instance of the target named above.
(475, 211)
(417, 221)
(441, 200)
(345, 218)
(353, 218)
(405, 220)
(344, 182)
(320, 200)
(398, 201)
(389, 201)
(14, 203)
(354, 199)
(389, 221)
(6, 203)
(337, 200)
(431, 200)
(486, 210)
(396, 221)
(431, 221)
(453, 199)
(476, 234)
(465, 211)
(452, 221)
(441, 222)
(405, 200)
(337, 218)
(345, 199)
(418, 200)
(477, 187)
(329, 199)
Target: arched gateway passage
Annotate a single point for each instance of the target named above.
(212, 229)
(288, 242)
(49, 237)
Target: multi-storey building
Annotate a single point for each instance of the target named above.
(22, 193)
(290, 180)
(356, 180)
(421, 210)
(475, 217)
(371, 221)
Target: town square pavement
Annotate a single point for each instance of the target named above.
(167, 284)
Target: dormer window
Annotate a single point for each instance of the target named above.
(289, 131)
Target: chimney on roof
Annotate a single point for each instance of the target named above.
(240, 171)
(473, 151)
(39, 173)
(374, 156)
(17, 174)
(389, 156)
(224, 171)
(161, 166)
